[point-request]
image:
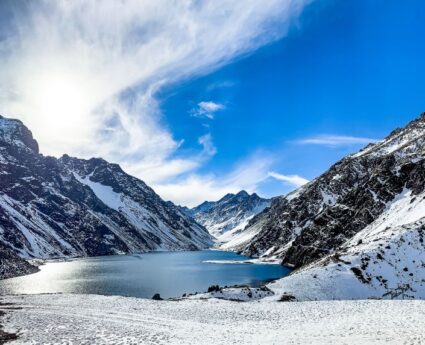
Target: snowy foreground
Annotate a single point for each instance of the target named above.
(92, 319)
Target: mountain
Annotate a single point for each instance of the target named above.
(64, 207)
(226, 218)
(356, 231)
(322, 215)
(386, 260)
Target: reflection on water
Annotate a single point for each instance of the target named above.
(169, 273)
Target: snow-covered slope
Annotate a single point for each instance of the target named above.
(73, 207)
(385, 260)
(320, 217)
(226, 218)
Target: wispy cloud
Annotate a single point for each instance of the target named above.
(336, 140)
(220, 84)
(208, 145)
(91, 88)
(207, 109)
(196, 188)
(294, 180)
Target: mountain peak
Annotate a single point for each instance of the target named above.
(243, 193)
(14, 133)
(230, 214)
(351, 195)
(86, 207)
(403, 141)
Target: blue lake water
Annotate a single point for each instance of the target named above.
(168, 273)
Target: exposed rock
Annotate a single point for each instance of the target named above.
(320, 217)
(11, 265)
(64, 207)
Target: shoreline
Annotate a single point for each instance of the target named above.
(250, 284)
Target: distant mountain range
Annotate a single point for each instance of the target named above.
(66, 207)
(226, 218)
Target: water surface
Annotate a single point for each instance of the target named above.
(169, 273)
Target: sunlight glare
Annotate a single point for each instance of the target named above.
(61, 101)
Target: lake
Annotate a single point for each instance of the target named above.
(142, 275)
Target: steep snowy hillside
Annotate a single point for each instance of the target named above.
(385, 260)
(320, 217)
(71, 207)
(226, 218)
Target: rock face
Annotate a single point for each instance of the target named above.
(319, 218)
(53, 207)
(385, 260)
(226, 218)
(11, 265)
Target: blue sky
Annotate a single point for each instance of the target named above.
(349, 68)
(201, 98)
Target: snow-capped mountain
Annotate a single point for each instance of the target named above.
(53, 207)
(385, 260)
(226, 218)
(347, 202)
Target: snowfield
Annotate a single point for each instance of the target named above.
(92, 319)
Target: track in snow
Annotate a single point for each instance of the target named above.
(91, 319)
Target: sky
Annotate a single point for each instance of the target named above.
(202, 98)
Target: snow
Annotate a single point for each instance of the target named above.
(265, 261)
(399, 142)
(227, 218)
(7, 130)
(328, 198)
(90, 319)
(25, 217)
(389, 255)
(242, 238)
(105, 193)
(296, 193)
(145, 221)
(227, 236)
(240, 294)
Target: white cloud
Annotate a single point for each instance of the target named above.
(294, 180)
(196, 188)
(207, 109)
(83, 75)
(208, 145)
(336, 140)
(210, 106)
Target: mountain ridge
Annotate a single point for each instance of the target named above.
(226, 218)
(61, 207)
(342, 201)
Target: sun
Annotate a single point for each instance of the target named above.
(62, 101)
(58, 107)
